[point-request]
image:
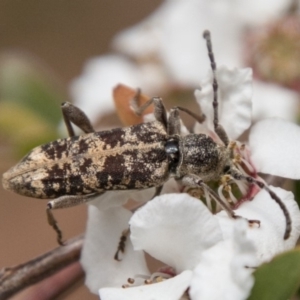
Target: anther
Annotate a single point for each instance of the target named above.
(253, 223)
(130, 280)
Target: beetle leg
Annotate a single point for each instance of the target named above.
(53, 223)
(288, 227)
(157, 191)
(64, 202)
(72, 114)
(174, 122)
(195, 181)
(160, 112)
(122, 243)
(200, 118)
(125, 233)
(174, 119)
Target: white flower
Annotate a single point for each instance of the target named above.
(167, 52)
(176, 25)
(270, 140)
(226, 265)
(182, 233)
(172, 34)
(268, 237)
(271, 100)
(102, 236)
(235, 106)
(92, 91)
(107, 219)
(198, 245)
(279, 141)
(272, 149)
(165, 290)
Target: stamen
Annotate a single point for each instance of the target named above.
(154, 278)
(138, 279)
(131, 280)
(237, 159)
(208, 199)
(148, 281)
(159, 279)
(248, 165)
(232, 197)
(220, 193)
(159, 276)
(225, 179)
(244, 152)
(239, 167)
(241, 185)
(232, 145)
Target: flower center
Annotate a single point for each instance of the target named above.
(162, 274)
(230, 190)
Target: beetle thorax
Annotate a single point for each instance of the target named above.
(201, 156)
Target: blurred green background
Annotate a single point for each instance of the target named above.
(43, 46)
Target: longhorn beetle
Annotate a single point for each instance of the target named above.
(78, 169)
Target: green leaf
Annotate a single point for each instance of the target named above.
(23, 128)
(30, 101)
(27, 83)
(278, 279)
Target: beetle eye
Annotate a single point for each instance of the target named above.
(226, 169)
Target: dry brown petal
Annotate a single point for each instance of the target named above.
(122, 95)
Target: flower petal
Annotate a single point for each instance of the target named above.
(172, 35)
(226, 266)
(118, 198)
(92, 91)
(274, 145)
(171, 186)
(141, 40)
(171, 289)
(256, 12)
(173, 228)
(235, 92)
(103, 233)
(111, 199)
(268, 237)
(271, 100)
(183, 51)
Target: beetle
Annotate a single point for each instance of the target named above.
(78, 169)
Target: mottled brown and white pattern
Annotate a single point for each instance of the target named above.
(129, 158)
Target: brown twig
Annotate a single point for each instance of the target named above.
(14, 279)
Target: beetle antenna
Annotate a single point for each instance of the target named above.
(260, 184)
(218, 128)
(206, 35)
